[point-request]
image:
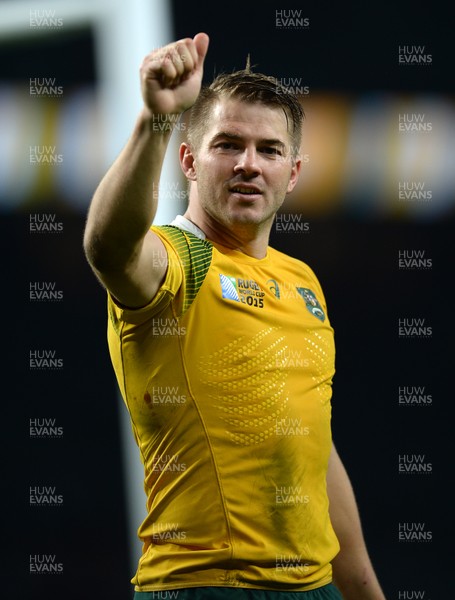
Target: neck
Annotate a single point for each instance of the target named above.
(251, 239)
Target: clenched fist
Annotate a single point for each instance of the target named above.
(171, 76)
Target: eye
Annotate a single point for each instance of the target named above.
(226, 145)
(272, 150)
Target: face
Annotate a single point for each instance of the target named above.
(243, 167)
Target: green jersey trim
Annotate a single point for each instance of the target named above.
(195, 255)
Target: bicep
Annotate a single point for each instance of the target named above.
(136, 283)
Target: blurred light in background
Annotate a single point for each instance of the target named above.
(372, 155)
(51, 149)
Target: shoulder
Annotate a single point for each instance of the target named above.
(190, 255)
(180, 237)
(282, 260)
(191, 250)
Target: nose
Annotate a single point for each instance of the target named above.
(248, 163)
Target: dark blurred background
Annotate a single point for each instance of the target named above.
(69, 92)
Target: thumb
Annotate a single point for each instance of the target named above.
(201, 41)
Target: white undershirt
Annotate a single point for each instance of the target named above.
(187, 225)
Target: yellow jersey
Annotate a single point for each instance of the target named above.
(227, 377)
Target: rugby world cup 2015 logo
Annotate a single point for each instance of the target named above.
(311, 302)
(229, 288)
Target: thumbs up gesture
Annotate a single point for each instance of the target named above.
(171, 76)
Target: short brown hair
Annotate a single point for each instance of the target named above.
(251, 87)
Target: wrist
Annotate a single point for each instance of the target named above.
(158, 124)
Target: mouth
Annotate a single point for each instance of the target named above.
(246, 190)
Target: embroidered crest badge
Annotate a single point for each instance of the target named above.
(311, 302)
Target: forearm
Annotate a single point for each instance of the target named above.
(124, 205)
(354, 576)
(125, 202)
(353, 572)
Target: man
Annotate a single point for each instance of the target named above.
(223, 350)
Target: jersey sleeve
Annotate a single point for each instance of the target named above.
(189, 258)
(317, 287)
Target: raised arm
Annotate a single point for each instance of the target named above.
(353, 572)
(125, 255)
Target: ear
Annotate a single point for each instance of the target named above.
(295, 172)
(187, 161)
